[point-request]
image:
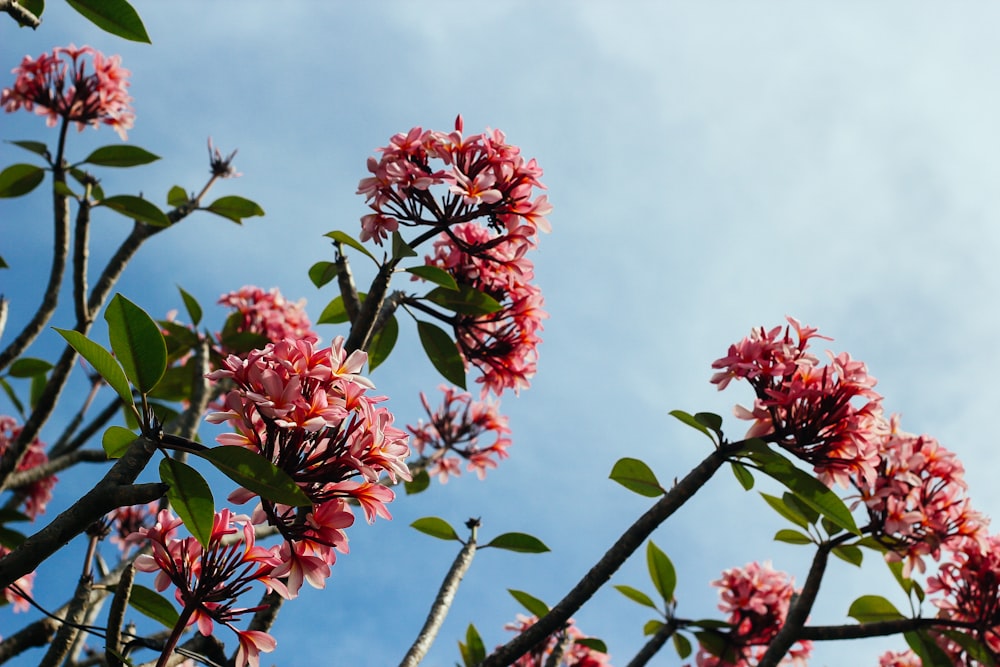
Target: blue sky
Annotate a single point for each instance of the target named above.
(713, 167)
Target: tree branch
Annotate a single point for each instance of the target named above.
(20, 14)
(655, 643)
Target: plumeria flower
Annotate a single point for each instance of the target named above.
(36, 495)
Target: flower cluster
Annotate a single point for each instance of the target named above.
(827, 415)
(917, 502)
(60, 86)
(503, 345)
(756, 598)
(899, 659)
(126, 522)
(574, 654)
(456, 428)
(267, 314)
(209, 579)
(15, 594)
(485, 177)
(306, 410)
(35, 495)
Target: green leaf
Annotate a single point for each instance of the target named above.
(153, 605)
(335, 312)
(685, 418)
(190, 496)
(38, 383)
(927, 649)
(593, 643)
(785, 510)
(116, 441)
(255, 473)
(636, 476)
(435, 527)
(651, 627)
(85, 179)
(321, 273)
(177, 197)
(420, 483)
(399, 247)
(382, 343)
(10, 538)
(4, 264)
(743, 475)
(27, 367)
(435, 275)
(534, 606)
(974, 648)
(872, 609)
(661, 571)
(7, 389)
(137, 208)
(349, 240)
(709, 420)
(120, 155)
(102, 361)
(442, 352)
(20, 179)
(792, 537)
(137, 342)
(235, 208)
(849, 554)
(36, 147)
(519, 542)
(682, 645)
(192, 306)
(636, 595)
(473, 650)
(36, 7)
(796, 505)
(114, 16)
(466, 301)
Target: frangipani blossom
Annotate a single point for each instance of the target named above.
(575, 655)
(36, 495)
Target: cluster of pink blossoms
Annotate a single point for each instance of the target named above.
(826, 415)
(455, 428)
(756, 598)
(307, 411)
(126, 522)
(60, 86)
(899, 659)
(576, 655)
(209, 579)
(268, 314)
(37, 494)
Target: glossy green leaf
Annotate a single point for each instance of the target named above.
(191, 305)
(927, 649)
(796, 505)
(102, 362)
(593, 643)
(419, 483)
(473, 650)
(235, 208)
(974, 648)
(348, 240)
(152, 604)
(321, 273)
(4, 264)
(689, 419)
(519, 542)
(636, 476)
(682, 645)
(872, 609)
(400, 249)
(116, 441)
(435, 527)
(534, 606)
(36, 147)
(85, 179)
(465, 301)
(382, 343)
(120, 155)
(114, 16)
(27, 367)
(335, 312)
(177, 197)
(20, 179)
(435, 275)
(442, 352)
(137, 342)
(743, 475)
(709, 420)
(790, 536)
(849, 554)
(36, 7)
(651, 627)
(12, 395)
(190, 496)
(11, 538)
(38, 383)
(257, 474)
(635, 595)
(661, 571)
(782, 508)
(62, 188)
(137, 208)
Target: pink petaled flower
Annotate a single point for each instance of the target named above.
(37, 494)
(267, 314)
(60, 86)
(917, 503)
(575, 654)
(126, 522)
(826, 415)
(487, 178)
(456, 427)
(503, 345)
(968, 585)
(899, 659)
(15, 594)
(252, 642)
(756, 599)
(307, 410)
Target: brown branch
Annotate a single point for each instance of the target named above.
(655, 643)
(23, 17)
(33, 635)
(345, 281)
(364, 326)
(81, 253)
(116, 617)
(25, 477)
(70, 628)
(877, 629)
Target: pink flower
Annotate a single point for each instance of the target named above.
(968, 585)
(59, 85)
(15, 594)
(35, 495)
(126, 522)
(577, 655)
(899, 659)
(252, 642)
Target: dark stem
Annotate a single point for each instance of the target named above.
(20, 14)
(345, 280)
(70, 628)
(81, 253)
(655, 643)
